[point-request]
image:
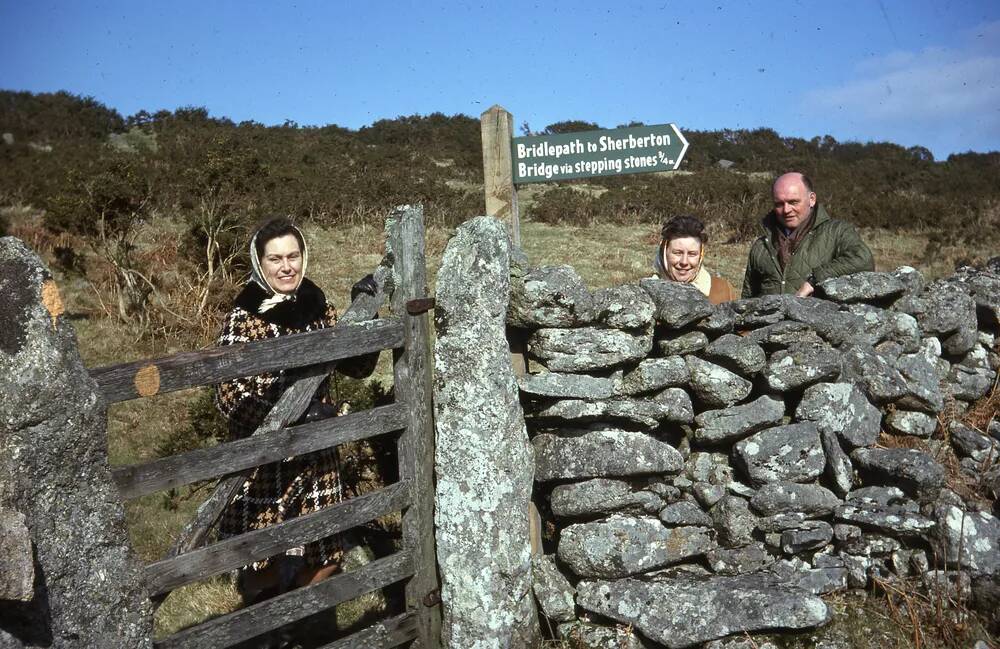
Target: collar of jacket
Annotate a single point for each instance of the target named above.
(308, 305)
(769, 224)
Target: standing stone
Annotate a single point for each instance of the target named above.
(790, 453)
(687, 611)
(715, 385)
(841, 408)
(17, 567)
(483, 461)
(677, 305)
(550, 296)
(588, 348)
(54, 463)
(839, 469)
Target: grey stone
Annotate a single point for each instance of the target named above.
(715, 385)
(798, 367)
(903, 329)
(17, 565)
(969, 539)
(877, 495)
(685, 612)
(972, 443)
(483, 462)
(811, 535)
(741, 560)
(911, 279)
(839, 469)
(654, 374)
(823, 560)
(881, 382)
(600, 453)
(624, 307)
(913, 471)
(789, 497)
(586, 635)
(621, 546)
(943, 310)
(685, 512)
(857, 570)
(890, 519)
(733, 521)
(680, 345)
(677, 305)
(921, 378)
(708, 494)
(948, 584)
(567, 386)
(721, 321)
(841, 408)
(552, 590)
(868, 545)
(602, 496)
(588, 348)
(863, 287)
(844, 532)
(550, 296)
(759, 311)
(783, 334)
(984, 288)
(8, 139)
(713, 468)
(978, 357)
(784, 453)
(780, 522)
(815, 581)
(908, 422)
(969, 384)
(834, 325)
(736, 422)
(736, 353)
(672, 404)
(54, 463)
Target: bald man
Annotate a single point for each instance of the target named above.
(801, 245)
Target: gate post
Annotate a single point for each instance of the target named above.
(497, 130)
(412, 379)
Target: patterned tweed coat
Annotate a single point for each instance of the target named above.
(294, 486)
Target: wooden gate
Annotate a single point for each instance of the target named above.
(315, 354)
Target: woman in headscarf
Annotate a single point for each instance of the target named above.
(680, 258)
(277, 301)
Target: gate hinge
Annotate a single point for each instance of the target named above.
(432, 598)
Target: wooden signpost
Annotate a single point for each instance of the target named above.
(509, 161)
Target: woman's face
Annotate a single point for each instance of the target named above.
(282, 263)
(682, 258)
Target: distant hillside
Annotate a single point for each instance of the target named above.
(183, 160)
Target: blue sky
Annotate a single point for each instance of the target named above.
(914, 72)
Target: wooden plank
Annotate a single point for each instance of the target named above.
(208, 366)
(291, 607)
(168, 574)
(203, 464)
(497, 129)
(289, 408)
(382, 635)
(412, 374)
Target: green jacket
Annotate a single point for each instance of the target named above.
(832, 248)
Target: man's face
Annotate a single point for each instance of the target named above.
(792, 202)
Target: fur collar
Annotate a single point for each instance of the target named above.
(307, 305)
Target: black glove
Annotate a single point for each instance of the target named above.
(364, 285)
(318, 409)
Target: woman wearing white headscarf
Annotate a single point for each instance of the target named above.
(680, 257)
(279, 300)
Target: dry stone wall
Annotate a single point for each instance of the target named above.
(707, 471)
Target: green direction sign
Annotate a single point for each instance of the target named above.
(611, 152)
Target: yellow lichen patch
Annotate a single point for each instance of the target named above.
(147, 381)
(52, 300)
